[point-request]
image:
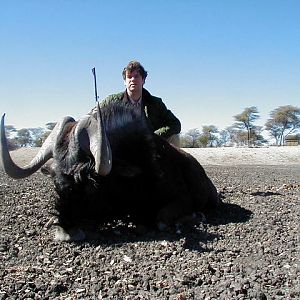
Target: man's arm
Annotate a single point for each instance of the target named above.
(170, 124)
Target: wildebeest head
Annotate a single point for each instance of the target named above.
(87, 135)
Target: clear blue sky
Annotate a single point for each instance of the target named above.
(208, 60)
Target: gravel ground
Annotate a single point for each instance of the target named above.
(249, 249)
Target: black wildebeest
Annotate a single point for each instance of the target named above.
(110, 164)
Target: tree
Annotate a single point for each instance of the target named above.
(37, 136)
(203, 140)
(190, 139)
(209, 131)
(9, 129)
(283, 121)
(236, 136)
(28, 137)
(23, 137)
(224, 139)
(40, 139)
(274, 130)
(256, 136)
(246, 119)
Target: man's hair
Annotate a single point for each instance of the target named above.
(134, 66)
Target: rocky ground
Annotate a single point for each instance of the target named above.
(249, 249)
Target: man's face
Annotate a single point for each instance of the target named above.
(134, 81)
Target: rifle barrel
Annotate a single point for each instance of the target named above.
(95, 83)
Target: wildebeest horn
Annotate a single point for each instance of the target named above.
(44, 154)
(103, 158)
(97, 143)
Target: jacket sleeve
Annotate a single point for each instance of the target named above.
(169, 124)
(106, 101)
(93, 112)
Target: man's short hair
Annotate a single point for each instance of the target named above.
(134, 66)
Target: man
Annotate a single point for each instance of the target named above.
(161, 120)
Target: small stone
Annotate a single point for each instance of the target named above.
(127, 259)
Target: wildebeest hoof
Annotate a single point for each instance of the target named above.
(47, 169)
(72, 235)
(203, 217)
(178, 228)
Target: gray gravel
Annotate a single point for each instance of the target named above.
(247, 250)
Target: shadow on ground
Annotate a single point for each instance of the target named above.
(229, 213)
(194, 235)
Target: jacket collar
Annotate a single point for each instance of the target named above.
(145, 96)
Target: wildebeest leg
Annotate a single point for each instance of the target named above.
(170, 213)
(77, 205)
(73, 234)
(178, 203)
(200, 186)
(213, 196)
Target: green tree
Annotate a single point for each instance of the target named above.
(37, 135)
(256, 136)
(9, 129)
(203, 140)
(224, 139)
(27, 137)
(246, 119)
(23, 137)
(209, 132)
(236, 136)
(190, 138)
(283, 121)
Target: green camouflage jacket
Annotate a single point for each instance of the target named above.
(161, 120)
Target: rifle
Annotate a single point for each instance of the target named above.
(95, 83)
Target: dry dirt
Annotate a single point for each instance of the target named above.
(287, 155)
(248, 249)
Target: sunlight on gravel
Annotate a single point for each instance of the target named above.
(248, 249)
(247, 156)
(214, 156)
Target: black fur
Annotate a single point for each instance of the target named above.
(150, 179)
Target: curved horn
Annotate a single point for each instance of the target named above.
(44, 154)
(97, 143)
(104, 159)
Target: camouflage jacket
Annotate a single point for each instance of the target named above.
(161, 120)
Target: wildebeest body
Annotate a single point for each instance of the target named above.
(149, 179)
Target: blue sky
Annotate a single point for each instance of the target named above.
(208, 60)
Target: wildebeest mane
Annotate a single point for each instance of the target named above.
(120, 114)
(134, 163)
(130, 137)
